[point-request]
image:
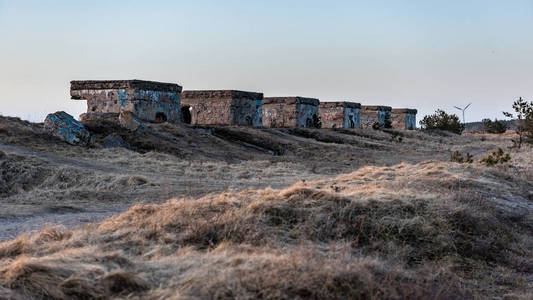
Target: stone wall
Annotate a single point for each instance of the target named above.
(370, 115)
(149, 100)
(223, 107)
(339, 114)
(285, 112)
(404, 118)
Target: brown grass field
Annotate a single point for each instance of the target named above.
(247, 213)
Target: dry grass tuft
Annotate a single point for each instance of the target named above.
(429, 230)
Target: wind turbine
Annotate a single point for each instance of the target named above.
(463, 110)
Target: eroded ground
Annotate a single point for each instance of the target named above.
(44, 181)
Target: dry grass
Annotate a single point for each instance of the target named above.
(401, 223)
(431, 230)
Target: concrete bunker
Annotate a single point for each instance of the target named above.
(339, 114)
(404, 118)
(284, 112)
(375, 115)
(149, 100)
(223, 107)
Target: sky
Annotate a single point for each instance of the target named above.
(417, 54)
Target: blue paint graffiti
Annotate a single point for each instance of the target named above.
(122, 97)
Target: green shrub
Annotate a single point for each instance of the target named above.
(524, 123)
(458, 157)
(443, 121)
(494, 126)
(497, 157)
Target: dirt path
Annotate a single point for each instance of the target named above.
(58, 160)
(13, 227)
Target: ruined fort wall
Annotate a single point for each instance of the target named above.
(369, 115)
(351, 117)
(213, 111)
(150, 101)
(307, 114)
(279, 115)
(331, 116)
(368, 118)
(404, 118)
(339, 114)
(223, 107)
(247, 112)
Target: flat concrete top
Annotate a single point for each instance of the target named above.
(404, 110)
(340, 104)
(290, 100)
(220, 94)
(124, 84)
(375, 108)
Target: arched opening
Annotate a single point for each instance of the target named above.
(186, 114)
(160, 117)
(352, 123)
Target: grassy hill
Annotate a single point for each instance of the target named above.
(246, 213)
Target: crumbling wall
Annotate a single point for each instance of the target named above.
(210, 111)
(339, 114)
(351, 117)
(224, 107)
(370, 115)
(404, 118)
(307, 115)
(279, 115)
(151, 101)
(331, 116)
(286, 112)
(247, 112)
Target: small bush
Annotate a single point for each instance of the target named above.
(497, 157)
(494, 126)
(443, 121)
(458, 157)
(524, 126)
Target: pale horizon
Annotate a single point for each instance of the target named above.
(416, 54)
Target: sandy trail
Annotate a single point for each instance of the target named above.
(11, 227)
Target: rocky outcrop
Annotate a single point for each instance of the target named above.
(65, 127)
(130, 121)
(114, 141)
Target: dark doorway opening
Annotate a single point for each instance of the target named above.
(186, 114)
(160, 117)
(352, 123)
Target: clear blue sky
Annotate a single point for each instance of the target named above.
(419, 54)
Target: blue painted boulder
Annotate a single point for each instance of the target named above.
(66, 128)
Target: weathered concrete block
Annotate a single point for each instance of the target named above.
(404, 118)
(65, 127)
(96, 116)
(339, 114)
(129, 121)
(284, 112)
(375, 114)
(149, 100)
(221, 107)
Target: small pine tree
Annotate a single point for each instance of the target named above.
(494, 126)
(443, 121)
(524, 124)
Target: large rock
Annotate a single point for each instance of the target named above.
(65, 127)
(130, 121)
(98, 116)
(114, 141)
